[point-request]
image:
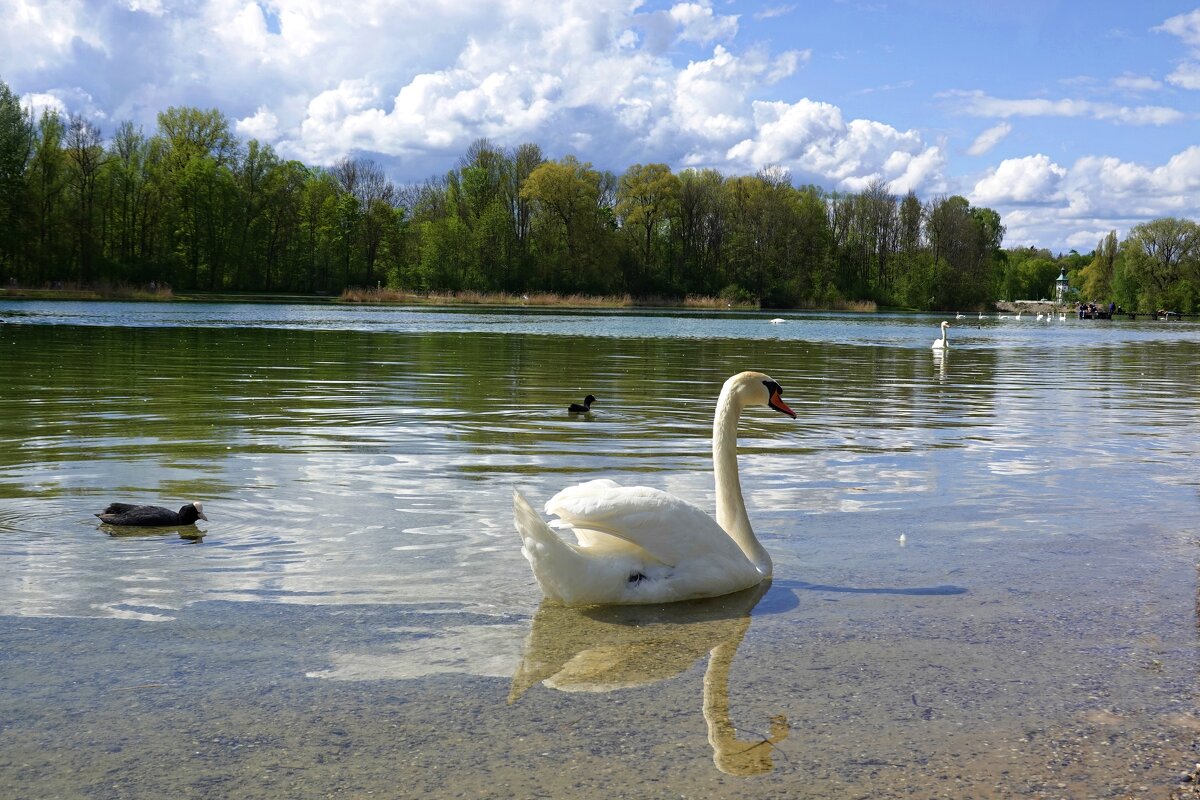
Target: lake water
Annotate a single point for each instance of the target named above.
(356, 617)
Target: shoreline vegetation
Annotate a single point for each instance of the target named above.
(387, 296)
(552, 299)
(192, 206)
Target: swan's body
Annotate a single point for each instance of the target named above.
(778, 320)
(637, 544)
(960, 315)
(942, 344)
(981, 315)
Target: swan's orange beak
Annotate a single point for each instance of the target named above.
(776, 402)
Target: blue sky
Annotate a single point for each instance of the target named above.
(1071, 119)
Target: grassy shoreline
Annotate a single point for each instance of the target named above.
(102, 292)
(402, 297)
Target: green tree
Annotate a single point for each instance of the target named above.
(85, 157)
(1162, 257)
(572, 226)
(16, 148)
(647, 196)
(47, 242)
(965, 249)
(130, 210)
(1098, 275)
(700, 229)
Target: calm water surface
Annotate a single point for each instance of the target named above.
(356, 617)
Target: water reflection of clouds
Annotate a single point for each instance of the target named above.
(352, 479)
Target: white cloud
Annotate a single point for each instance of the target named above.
(152, 7)
(812, 139)
(64, 101)
(988, 139)
(1185, 26)
(709, 98)
(773, 12)
(263, 125)
(1032, 179)
(698, 24)
(978, 104)
(40, 102)
(41, 35)
(1136, 83)
(1186, 75)
(1043, 203)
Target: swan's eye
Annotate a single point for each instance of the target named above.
(773, 388)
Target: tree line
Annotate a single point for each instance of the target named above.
(192, 206)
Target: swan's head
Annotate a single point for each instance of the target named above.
(757, 389)
(945, 324)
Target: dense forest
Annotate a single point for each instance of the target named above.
(193, 207)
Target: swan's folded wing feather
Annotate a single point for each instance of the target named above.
(667, 527)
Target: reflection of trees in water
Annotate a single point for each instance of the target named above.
(602, 649)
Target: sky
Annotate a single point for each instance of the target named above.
(1070, 119)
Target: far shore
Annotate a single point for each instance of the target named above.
(401, 297)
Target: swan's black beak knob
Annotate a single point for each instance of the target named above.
(776, 399)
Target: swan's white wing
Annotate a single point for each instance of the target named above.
(668, 528)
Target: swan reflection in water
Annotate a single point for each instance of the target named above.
(605, 648)
(941, 359)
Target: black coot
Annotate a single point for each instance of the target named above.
(586, 408)
(128, 514)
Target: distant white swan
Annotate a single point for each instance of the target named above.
(642, 545)
(1062, 316)
(981, 316)
(1019, 313)
(942, 344)
(960, 315)
(778, 320)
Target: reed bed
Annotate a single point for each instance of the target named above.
(403, 296)
(101, 291)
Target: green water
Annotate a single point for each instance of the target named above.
(356, 618)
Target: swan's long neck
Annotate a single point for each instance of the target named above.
(731, 508)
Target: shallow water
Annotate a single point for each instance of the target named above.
(357, 618)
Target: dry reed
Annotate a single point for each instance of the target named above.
(402, 296)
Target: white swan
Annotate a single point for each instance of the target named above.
(778, 320)
(641, 545)
(960, 315)
(942, 344)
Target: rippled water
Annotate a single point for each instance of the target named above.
(356, 616)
